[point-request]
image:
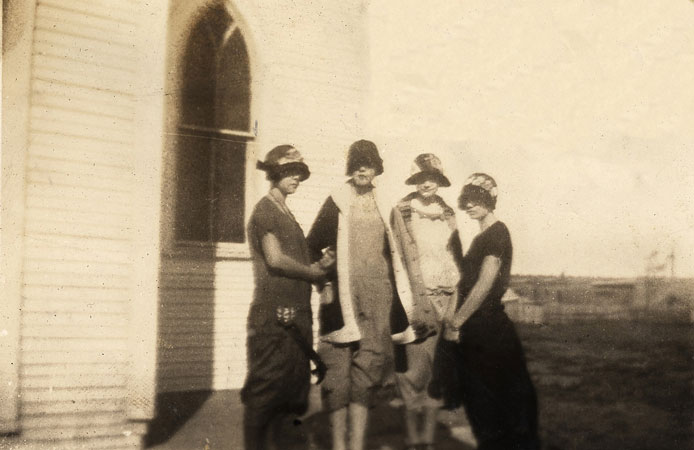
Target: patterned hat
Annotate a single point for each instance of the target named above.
(427, 165)
(479, 188)
(363, 153)
(282, 161)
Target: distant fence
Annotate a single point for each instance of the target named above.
(529, 312)
(554, 313)
(540, 299)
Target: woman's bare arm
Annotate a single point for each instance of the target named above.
(488, 273)
(276, 259)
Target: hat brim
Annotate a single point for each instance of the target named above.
(279, 171)
(355, 163)
(421, 177)
(476, 195)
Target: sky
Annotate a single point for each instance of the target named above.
(583, 111)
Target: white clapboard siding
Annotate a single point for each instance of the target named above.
(37, 344)
(73, 123)
(55, 12)
(93, 435)
(78, 149)
(95, 443)
(77, 269)
(73, 407)
(120, 13)
(47, 191)
(81, 380)
(48, 93)
(110, 42)
(202, 324)
(49, 358)
(75, 172)
(55, 369)
(204, 304)
(91, 443)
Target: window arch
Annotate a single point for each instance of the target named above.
(213, 130)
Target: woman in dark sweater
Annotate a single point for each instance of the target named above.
(368, 285)
(479, 362)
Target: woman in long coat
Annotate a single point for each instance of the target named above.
(426, 233)
(279, 320)
(479, 362)
(367, 286)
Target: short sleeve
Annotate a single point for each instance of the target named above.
(498, 242)
(264, 220)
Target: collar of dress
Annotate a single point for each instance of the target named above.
(278, 200)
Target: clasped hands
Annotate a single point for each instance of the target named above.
(451, 328)
(322, 266)
(328, 259)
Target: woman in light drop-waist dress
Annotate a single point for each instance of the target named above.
(426, 233)
(367, 286)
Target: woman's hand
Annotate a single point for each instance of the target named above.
(422, 330)
(488, 273)
(328, 259)
(450, 332)
(316, 272)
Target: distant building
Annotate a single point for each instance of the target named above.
(522, 309)
(614, 291)
(563, 299)
(543, 289)
(666, 295)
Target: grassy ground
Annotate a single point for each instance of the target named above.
(601, 385)
(625, 385)
(610, 384)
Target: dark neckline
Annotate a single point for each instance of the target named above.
(283, 208)
(490, 227)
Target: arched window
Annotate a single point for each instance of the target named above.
(213, 131)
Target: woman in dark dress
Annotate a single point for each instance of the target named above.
(279, 320)
(479, 362)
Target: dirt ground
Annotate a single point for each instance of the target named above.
(613, 384)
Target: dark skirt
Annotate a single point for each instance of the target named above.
(485, 371)
(279, 373)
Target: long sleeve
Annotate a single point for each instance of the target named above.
(323, 232)
(455, 246)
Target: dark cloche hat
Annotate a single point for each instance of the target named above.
(363, 153)
(427, 165)
(283, 160)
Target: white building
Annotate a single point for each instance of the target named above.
(121, 121)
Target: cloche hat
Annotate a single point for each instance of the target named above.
(363, 153)
(427, 165)
(282, 160)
